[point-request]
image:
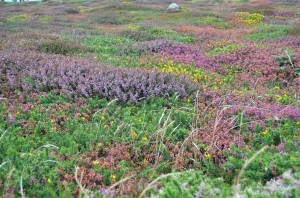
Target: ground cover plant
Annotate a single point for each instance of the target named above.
(123, 99)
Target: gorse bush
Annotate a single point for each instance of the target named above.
(253, 18)
(249, 18)
(77, 77)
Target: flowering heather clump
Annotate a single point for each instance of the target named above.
(257, 61)
(201, 33)
(204, 34)
(186, 54)
(286, 41)
(235, 113)
(40, 72)
(148, 46)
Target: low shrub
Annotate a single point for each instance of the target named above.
(83, 78)
(138, 35)
(253, 18)
(264, 9)
(129, 7)
(71, 10)
(147, 46)
(287, 65)
(249, 18)
(111, 18)
(260, 61)
(187, 54)
(294, 30)
(193, 183)
(60, 47)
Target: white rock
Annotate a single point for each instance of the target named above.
(173, 7)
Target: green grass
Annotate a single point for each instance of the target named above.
(268, 32)
(169, 34)
(232, 47)
(73, 130)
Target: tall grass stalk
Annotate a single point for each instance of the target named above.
(236, 186)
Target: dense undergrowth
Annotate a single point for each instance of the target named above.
(123, 99)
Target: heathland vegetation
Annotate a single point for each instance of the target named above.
(129, 99)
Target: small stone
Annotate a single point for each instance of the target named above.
(173, 8)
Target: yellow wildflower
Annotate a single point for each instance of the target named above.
(113, 176)
(49, 180)
(134, 134)
(96, 163)
(144, 138)
(265, 132)
(102, 118)
(207, 155)
(83, 118)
